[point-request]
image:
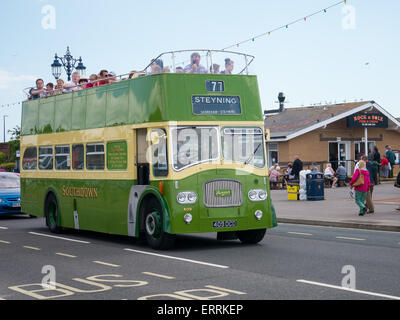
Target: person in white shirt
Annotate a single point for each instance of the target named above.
(330, 175)
(73, 85)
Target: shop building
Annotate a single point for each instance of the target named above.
(331, 134)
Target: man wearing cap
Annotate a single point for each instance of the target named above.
(195, 66)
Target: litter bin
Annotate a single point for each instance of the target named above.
(293, 189)
(315, 186)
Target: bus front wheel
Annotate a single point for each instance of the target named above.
(251, 236)
(153, 222)
(52, 213)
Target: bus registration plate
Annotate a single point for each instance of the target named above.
(224, 224)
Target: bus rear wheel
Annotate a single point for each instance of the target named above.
(52, 214)
(251, 236)
(153, 228)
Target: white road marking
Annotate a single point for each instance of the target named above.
(349, 290)
(179, 259)
(32, 248)
(60, 238)
(4, 228)
(158, 275)
(107, 264)
(65, 255)
(5, 242)
(346, 238)
(300, 233)
(227, 290)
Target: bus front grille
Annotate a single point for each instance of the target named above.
(222, 193)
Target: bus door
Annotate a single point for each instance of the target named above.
(142, 164)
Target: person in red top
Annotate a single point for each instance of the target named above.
(103, 78)
(385, 167)
(361, 191)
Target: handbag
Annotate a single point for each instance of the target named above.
(360, 180)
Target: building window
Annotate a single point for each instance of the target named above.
(63, 158)
(273, 154)
(46, 158)
(78, 157)
(359, 149)
(29, 161)
(95, 156)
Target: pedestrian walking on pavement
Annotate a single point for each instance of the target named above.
(391, 158)
(360, 182)
(373, 177)
(297, 167)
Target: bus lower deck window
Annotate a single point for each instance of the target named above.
(95, 156)
(78, 156)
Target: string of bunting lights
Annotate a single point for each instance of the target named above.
(286, 26)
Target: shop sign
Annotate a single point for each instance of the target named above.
(370, 120)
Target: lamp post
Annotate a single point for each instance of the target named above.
(4, 128)
(69, 64)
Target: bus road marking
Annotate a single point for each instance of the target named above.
(107, 264)
(60, 238)
(346, 238)
(349, 290)
(158, 275)
(32, 248)
(5, 242)
(65, 255)
(179, 259)
(300, 233)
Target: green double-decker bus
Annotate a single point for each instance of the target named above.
(154, 155)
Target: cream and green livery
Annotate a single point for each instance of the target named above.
(155, 155)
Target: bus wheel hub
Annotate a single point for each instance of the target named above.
(153, 224)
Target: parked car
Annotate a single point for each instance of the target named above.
(10, 193)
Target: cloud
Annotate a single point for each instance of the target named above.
(9, 80)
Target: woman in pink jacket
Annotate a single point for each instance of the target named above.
(361, 191)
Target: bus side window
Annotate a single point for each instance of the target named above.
(46, 158)
(29, 161)
(78, 156)
(95, 156)
(63, 158)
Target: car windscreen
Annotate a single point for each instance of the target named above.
(9, 181)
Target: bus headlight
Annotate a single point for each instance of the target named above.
(186, 197)
(188, 218)
(258, 195)
(258, 214)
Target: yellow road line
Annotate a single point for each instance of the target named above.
(107, 264)
(32, 248)
(65, 255)
(158, 275)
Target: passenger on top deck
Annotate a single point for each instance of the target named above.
(166, 70)
(179, 70)
(49, 90)
(112, 77)
(215, 68)
(83, 83)
(195, 66)
(38, 92)
(156, 66)
(92, 80)
(102, 78)
(73, 85)
(229, 64)
(59, 89)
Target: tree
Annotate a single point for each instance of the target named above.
(14, 143)
(15, 133)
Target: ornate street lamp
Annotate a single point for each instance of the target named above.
(69, 64)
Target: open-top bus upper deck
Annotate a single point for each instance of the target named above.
(148, 98)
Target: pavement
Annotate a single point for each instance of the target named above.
(339, 209)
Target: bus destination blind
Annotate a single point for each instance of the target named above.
(216, 105)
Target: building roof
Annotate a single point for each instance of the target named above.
(294, 122)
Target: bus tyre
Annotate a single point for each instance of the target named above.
(153, 222)
(52, 213)
(251, 236)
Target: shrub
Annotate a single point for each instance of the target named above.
(9, 167)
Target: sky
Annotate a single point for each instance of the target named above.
(349, 53)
